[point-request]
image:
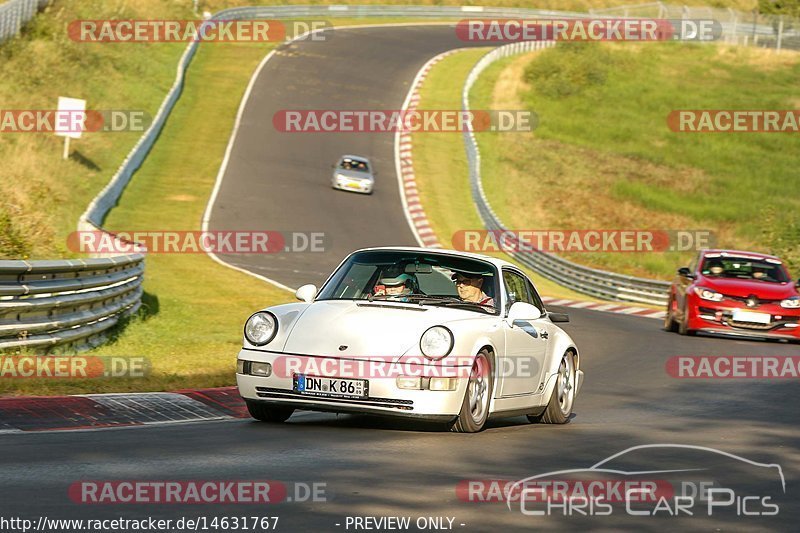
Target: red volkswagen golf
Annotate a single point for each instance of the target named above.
(735, 293)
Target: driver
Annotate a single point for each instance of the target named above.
(715, 268)
(470, 288)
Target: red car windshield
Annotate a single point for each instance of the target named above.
(744, 268)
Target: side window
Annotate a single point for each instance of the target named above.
(516, 288)
(535, 299)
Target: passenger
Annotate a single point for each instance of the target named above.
(760, 273)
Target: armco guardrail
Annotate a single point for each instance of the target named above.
(67, 303)
(15, 13)
(607, 285)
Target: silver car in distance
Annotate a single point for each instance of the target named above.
(353, 173)
(438, 335)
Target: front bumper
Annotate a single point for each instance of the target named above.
(384, 396)
(713, 317)
(360, 186)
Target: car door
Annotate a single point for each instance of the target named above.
(526, 341)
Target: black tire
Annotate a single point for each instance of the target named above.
(556, 412)
(472, 420)
(683, 326)
(269, 413)
(669, 320)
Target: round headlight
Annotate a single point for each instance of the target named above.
(436, 342)
(261, 328)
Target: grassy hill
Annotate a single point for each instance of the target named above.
(604, 157)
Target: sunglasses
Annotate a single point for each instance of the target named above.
(463, 281)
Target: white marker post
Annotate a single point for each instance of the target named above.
(70, 120)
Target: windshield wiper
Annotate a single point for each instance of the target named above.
(432, 299)
(464, 303)
(453, 301)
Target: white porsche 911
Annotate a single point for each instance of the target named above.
(427, 333)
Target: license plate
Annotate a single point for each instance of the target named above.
(340, 387)
(353, 185)
(750, 316)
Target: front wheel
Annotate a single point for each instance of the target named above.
(475, 408)
(683, 325)
(559, 408)
(669, 321)
(268, 413)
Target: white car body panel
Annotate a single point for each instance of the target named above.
(354, 330)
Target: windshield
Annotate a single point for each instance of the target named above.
(744, 268)
(356, 165)
(414, 277)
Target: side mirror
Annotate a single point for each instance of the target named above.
(306, 293)
(686, 273)
(523, 311)
(558, 317)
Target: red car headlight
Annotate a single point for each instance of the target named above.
(708, 294)
(791, 303)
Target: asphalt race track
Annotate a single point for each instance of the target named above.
(281, 181)
(379, 467)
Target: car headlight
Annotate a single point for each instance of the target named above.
(436, 342)
(791, 303)
(708, 294)
(261, 328)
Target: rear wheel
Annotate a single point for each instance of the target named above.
(269, 413)
(475, 408)
(559, 408)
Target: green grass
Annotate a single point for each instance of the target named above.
(42, 196)
(193, 310)
(561, 5)
(440, 164)
(604, 150)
